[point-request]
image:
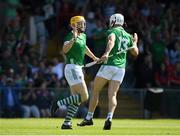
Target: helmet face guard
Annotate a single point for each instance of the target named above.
(78, 22)
(81, 26)
(112, 23)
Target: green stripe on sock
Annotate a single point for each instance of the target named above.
(64, 101)
(68, 101)
(77, 98)
(72, 109)
(73, 99)
(70, 115)
(61, 102)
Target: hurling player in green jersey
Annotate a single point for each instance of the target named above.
(113, 69)
(75, 49)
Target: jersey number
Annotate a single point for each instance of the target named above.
(123, 44)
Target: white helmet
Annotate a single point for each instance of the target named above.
(117, 19)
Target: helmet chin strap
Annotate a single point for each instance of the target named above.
(79, 30)
(113, 23)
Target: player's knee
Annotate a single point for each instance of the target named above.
(114, 104)
(85, 97)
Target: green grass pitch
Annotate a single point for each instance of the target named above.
(119, 127)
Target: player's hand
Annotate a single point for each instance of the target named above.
(135, 38)
(135, 50)
(103, 58)
(75, 32)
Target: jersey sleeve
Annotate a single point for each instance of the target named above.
(85, 38)
(109, 33)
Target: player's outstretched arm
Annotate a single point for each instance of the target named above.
(90, 54)
(135, 51)
(110, 45)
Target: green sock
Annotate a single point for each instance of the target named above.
(71, 111)
(73, 99)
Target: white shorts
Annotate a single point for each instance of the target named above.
(74, 74)
(111, 73)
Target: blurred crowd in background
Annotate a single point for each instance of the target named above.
(30, 79)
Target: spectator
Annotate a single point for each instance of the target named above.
(42, 67)
(50, 17)
(7, 60)
(43, 100)
(144, 71)
(10, 101)
(64, 14)
(162, 76)
(174, 53)
(158, 50)
(99, 38)
(109, 8)
(34, 66)
(175, 79)
(91, 25)
(58, 68)
(2, 83)
(9, 42)
(11, 9)
(41, 32)
(29, 99)
(52, 81)
(22, 47)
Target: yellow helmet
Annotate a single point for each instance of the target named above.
(76, 19)
(78, 22)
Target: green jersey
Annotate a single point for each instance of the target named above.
(77, 52)
(123, 40)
